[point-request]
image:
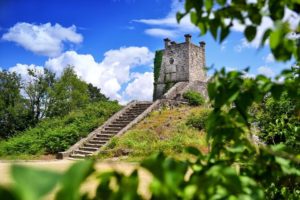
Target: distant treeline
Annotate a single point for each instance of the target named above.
(24, 102)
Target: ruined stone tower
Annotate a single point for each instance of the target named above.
(183, 62)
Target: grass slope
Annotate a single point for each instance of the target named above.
(164, 130)
(57, 134)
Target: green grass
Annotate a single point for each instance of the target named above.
(57, 134)
(164, 131)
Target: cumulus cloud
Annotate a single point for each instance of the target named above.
(265, 70)
(269, 58)
(113, 72)
(43, 39)
(168, 26)
(141, 88)
(22, 69)
(290, 16)
(161, 33)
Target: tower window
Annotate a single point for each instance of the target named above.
(171, 61)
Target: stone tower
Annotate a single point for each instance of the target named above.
(183, 62)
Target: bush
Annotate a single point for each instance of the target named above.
(194, 98)
(58, 133)
(198, 120)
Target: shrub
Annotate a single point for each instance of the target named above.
(194, 98)
(198, 120)
(58, 133)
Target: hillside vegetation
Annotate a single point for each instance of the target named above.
(168, 130)
(58, 133)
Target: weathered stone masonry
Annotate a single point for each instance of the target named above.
(183, 62)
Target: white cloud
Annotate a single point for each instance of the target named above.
(289, 16)
(111, 74)
(161, 33)
(269, 58)
(243, 45)
(267, 71)
(141, 88)
(168, 26)
(22, 69)
(43, 39)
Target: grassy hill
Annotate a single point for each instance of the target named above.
(56, 134)
(167, 130)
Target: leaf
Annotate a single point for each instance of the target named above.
(194, 151)
(33, 184)
(224, 33)
(208, 4)
(265, 36)
(250, 33)
(73, 178)
(179, 16)
(6, 194)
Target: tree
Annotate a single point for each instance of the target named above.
(13, 112)
(38, 89)
(69, 93)
(95, 94)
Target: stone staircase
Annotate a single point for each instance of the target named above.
(118, 123)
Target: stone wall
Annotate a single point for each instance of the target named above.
(183, 62)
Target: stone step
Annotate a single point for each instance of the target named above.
(120, 123)
(116, 125)
(85, 148)
(105, 135)
(109, 132)
(125, 118)
(82, 152)
(96, 142)
(81, 156)
(93, 145)
(101, 138)
(112, 128)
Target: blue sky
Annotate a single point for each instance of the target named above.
(111, 42)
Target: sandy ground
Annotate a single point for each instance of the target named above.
(90, 185)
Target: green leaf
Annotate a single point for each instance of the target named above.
(275, 39)
(72, 180)
(209, 4)
(33, 184)
(250, 33)
(214, 28)
(194, 151)
(224, 33)
(6, 194)
(265, 36)
(179, 16)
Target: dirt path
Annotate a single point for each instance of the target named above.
(90, 185)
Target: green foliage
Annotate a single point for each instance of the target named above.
(199, 119)
(217, 17)
(13, 113)
(157, 66)
(278, 122)
(194, 98)
(163, 131)
(69, 93)
(33, 184)
(59, 133)
(38, 89)
(235, 167)
(95, 94)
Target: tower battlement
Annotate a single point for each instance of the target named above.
(181, 62)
